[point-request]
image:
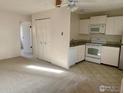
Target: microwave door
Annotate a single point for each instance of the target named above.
(95, 30)
(98, 28)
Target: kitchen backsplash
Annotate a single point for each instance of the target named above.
(109, 38)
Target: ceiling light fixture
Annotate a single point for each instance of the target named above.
(72, 4)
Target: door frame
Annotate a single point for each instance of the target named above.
(26, 23)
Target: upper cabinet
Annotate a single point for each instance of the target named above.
(84, 26)
(98, 19)
(114, 25)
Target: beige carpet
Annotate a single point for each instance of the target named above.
(21, 75)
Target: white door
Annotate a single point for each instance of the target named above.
(44, 38)
(40, 37)
(110, 55)
(47, 39)
(80, 53)
(72, 55)
(114, 25)
(98, 19)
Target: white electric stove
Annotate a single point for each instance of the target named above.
(94, 49)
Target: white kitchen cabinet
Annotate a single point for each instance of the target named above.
(80, 53)
(114, 25)
(110, 55)
(98, 19)
(76, 54)
(72, 56)
(84, 26)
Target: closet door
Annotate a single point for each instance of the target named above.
(44, 39)
(40, 38)
(47, 39)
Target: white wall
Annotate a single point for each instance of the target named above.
(75, 25)
(10, 34)
(60, 22)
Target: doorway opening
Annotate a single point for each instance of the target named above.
(26, 40)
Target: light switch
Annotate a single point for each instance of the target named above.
(61, 33)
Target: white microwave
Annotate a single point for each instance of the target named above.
(97, 28)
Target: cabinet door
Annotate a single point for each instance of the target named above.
(114, 26)
(80, 53)
(98, 19)
(118, 24)
(72, 56)
(84, 24)
(76, 54)
(110, 55)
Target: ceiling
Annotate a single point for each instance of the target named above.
(28, 7)
(88, 6)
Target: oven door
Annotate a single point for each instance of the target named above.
(93, 51)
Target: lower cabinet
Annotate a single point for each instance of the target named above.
(80, 53)
(76, 54)
(110, 55)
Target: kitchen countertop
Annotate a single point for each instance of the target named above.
(112, 45)
(78, 42)
(83, 42)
